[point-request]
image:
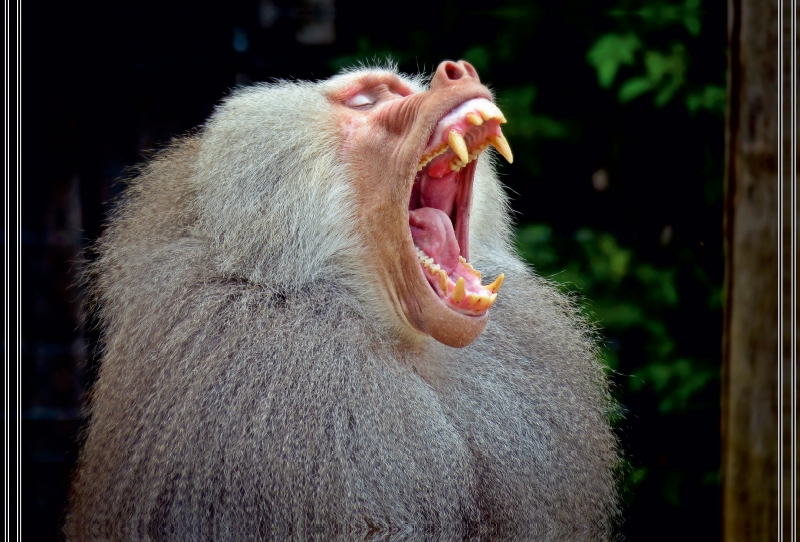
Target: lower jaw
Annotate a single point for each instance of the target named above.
(443, 324)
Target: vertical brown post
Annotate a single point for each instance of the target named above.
(750, 336)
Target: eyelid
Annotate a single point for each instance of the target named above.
(360, 100)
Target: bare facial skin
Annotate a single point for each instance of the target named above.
(314, 326)
(419, 193)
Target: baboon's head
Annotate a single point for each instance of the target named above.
(409, 155)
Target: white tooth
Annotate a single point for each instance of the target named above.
(490, 111)
(435, 268)
(474, 119)
(501, 144)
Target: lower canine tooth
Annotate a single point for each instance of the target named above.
(495, 286)
(460, 290)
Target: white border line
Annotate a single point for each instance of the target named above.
(793, 324)
(6, 224)
(18, 232)
(780, 270)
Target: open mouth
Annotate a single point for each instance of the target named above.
(441, 199)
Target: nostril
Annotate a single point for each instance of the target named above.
(469, 69)
(454, 71)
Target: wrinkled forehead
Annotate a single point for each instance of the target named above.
(353, 80)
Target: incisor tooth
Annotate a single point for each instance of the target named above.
(501, 144)
(474, 119)
(459, 146)
(460, 290)
(495, 286)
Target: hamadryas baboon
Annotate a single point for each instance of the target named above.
(298, 340)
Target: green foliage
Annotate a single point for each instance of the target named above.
(660, 14)
(610, 52)
(712, 98)
(662, 72)
(623, 293)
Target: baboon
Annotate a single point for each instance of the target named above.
(297, 341)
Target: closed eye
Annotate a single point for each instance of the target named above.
(361, 101)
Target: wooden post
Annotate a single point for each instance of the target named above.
(750, 332)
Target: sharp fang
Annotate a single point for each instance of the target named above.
(443, 280)
(459, 146)
(474, 119)
(495, 286)
(460, 290)
(501, 144)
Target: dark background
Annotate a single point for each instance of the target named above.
(615, 112)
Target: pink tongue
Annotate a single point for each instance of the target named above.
(433, 232)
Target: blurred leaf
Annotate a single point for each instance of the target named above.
(712, 97)
(677, 381)
(634, 87)
(664, 72)
(609, 53)
(659, 282)
(662, 14)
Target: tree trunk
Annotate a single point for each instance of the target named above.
(750, 336)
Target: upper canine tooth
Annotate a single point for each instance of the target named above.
(443, 280)
(501, 144)
(459, 146)
(495, 286)
(474, 119)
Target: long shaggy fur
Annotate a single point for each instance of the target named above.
(250, 390)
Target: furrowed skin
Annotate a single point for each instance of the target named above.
(253, 387)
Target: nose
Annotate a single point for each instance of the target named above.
(453, 73)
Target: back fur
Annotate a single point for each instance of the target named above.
(248, 390)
